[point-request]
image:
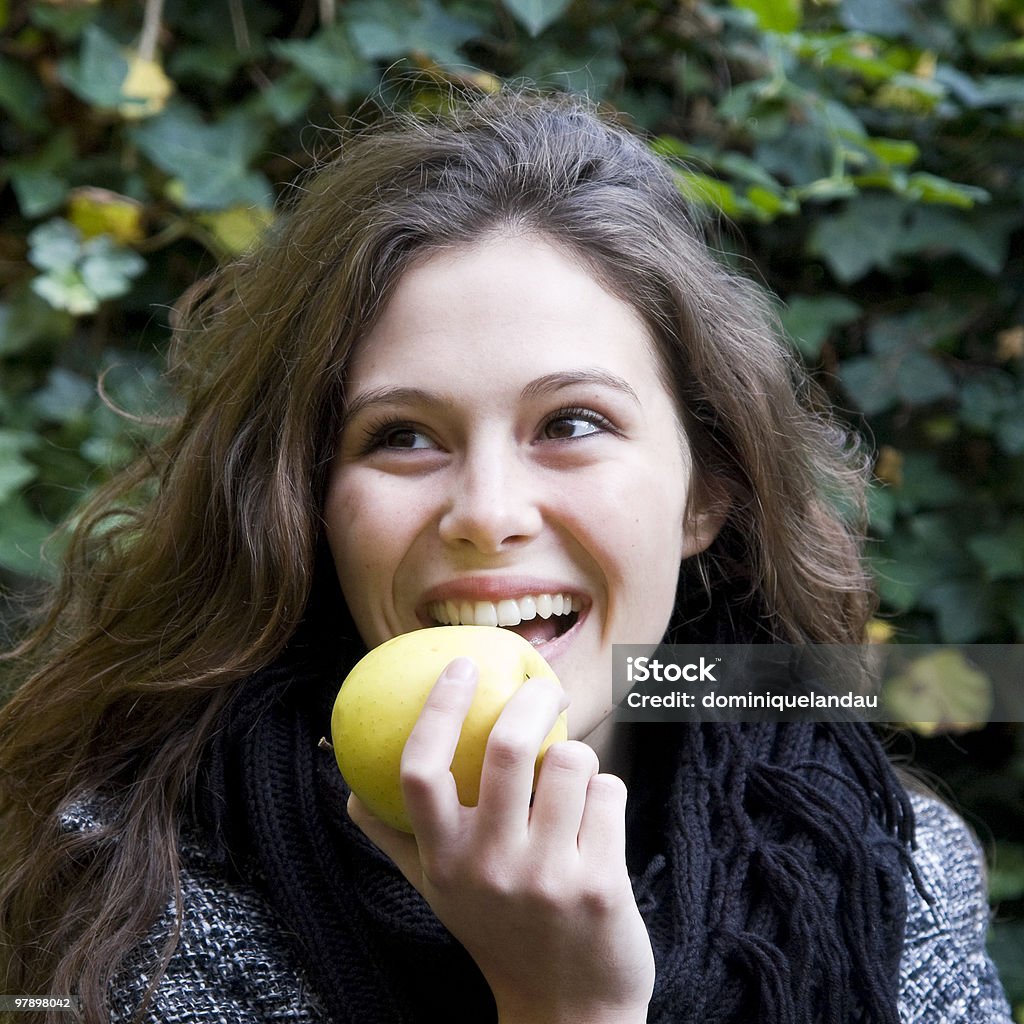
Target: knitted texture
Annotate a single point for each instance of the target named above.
(770, 865)
(784, 884)
(235, 961)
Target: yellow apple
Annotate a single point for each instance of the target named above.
(381, 698)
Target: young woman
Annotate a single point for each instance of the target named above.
(484, 371)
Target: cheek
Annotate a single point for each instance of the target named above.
(632, 525)
(361, 526)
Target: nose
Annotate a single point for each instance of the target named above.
(494, 502)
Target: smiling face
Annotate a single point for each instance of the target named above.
(511, 457)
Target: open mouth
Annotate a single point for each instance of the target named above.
(538, 618)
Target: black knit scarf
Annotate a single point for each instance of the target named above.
(769, 862)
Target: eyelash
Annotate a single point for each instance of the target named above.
(376, 433)
(576, 412)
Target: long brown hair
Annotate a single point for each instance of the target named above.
(197, 566)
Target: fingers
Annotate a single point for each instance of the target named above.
(506, 784)
(562, 793)
(428, 788)
(603, 826)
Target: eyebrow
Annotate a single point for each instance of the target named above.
(557, 381)
(547, 384)
(388, 396)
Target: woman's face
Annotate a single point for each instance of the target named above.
(512, 457)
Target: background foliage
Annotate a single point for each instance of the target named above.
(867, 156)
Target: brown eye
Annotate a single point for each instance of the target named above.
(395, 437)
(569, 424)
(404, 437)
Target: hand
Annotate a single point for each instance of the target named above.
(539, 896)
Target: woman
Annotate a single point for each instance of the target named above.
(484, 365)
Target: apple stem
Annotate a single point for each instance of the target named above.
(325, 744)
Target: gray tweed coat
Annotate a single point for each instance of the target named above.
(234, 961)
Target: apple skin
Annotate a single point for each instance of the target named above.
(382, 696)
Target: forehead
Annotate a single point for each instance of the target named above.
(500, 302)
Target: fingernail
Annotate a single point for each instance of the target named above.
(462, 669)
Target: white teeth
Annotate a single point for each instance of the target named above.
(507, 612)
(485, 614)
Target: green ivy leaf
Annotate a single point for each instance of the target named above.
(921, 379)
(382, 31)
(215, 62)
(888, 18)
(79, 275)
(21, 95)
(704, 190)
(331, 60)
(984, 397)
(39, 180)
(97, 74)
(108, 269)
(808, 320)
(15, 470)
(1010, 429)
(981, 238)
(930, 188)
(774, 15)
(66, 396)
(288, 98)
(869, 381)
(865, 235)
(210, 160)
(22, 535)
(536, 15)
(66, 290)
(983, 91)
(878, 382)
(926, 485)
(27, 320)
(66, 21)
(964, 609)
(918, 558)
(55, 245)
(1001, 554)
(895, 152)
(881, 509)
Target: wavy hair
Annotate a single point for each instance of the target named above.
(198, 564)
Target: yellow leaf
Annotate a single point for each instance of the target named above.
(889, 466)
(98, 211)
(940, 693)
(237, 228)
(1010, 344)
(146, 88)
(880, 632)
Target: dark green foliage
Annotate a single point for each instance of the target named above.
(867, 157)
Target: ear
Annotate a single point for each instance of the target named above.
(705, 516)
(700, 530)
